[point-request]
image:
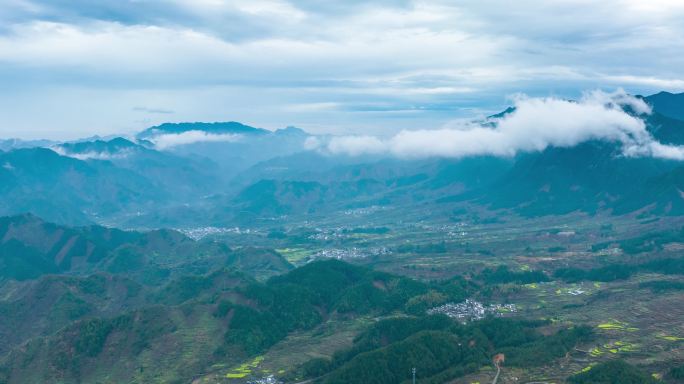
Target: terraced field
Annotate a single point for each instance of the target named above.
(632, 324)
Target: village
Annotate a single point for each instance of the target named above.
(472, 310)
(350, 253)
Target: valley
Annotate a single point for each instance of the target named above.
(252, 259)
(633, 315)
(341, 192)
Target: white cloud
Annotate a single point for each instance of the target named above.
(650, 81)
(165, 141)
(409, 55)
(656, 149)
(536, 124)
(92, 155)
(312, 143)
(356, 145)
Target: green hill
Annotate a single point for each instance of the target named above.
(613, 372)
(191, 322)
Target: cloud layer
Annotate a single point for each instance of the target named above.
(340, 67)
(93, 155)
(169, 140)
(534, 125)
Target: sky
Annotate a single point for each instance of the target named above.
(75, 68)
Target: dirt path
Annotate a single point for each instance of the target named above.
(498, 371)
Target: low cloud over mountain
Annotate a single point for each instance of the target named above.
(532, 125)
(173, 139)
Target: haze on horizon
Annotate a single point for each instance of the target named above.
(78, 68)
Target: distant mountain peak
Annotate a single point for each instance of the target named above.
(292, 131)
(217, 128)
(9, 144)
(666, 93)
(120, 141)
(503, 113)
(668, 104)
(97, 149)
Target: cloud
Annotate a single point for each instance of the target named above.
(92, 155)
(346, 67)
(165, 141)
(657, 83)
(662, 151)
(534, 125)
(153, 110)
(312, 143)
(357, 145)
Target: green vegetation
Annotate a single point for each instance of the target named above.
(677, 372)
(609, 273)
(219, 300)
(612, 372)
(91, 336)
(618, 271)
(169, 308)
(442, 348)
(433, 351)
(255, 331)
(20, 262)
(649, 242)
(70, 307)
(302, 298)
(185, 288)
(662, 285)
(503, 275)
(423, 248)
(261, 263)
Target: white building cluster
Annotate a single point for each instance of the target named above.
(471, 310)
(202, 232)
(350, 253)
(266, 380)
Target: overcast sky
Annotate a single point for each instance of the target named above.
(72, 68)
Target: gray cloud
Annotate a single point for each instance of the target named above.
(384, 65)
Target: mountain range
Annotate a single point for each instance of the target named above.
(191, 174)
(251, 256)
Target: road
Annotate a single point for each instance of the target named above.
(498, 371)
